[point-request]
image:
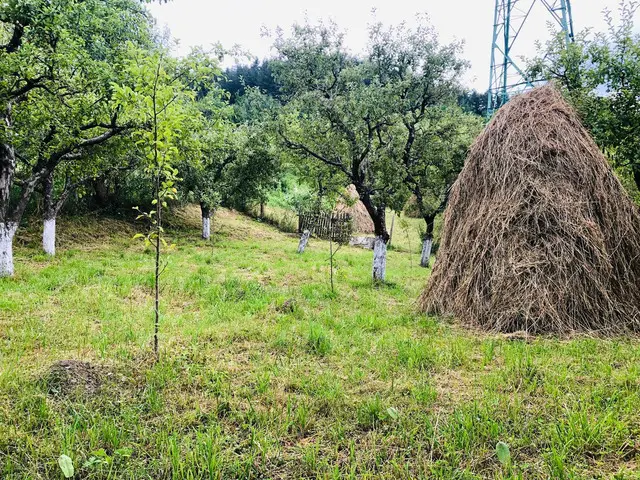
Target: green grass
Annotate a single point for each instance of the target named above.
(355, 384)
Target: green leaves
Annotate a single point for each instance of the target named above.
(393, 414)
(503, 453)
(66, 465)
(100, 457)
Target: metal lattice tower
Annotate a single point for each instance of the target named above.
(507, 77)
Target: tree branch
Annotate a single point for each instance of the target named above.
(317, 156)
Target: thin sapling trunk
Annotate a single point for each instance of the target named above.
(158, 246)
(158, 229)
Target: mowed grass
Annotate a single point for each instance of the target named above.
(265, 373)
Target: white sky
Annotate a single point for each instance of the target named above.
(206, 22)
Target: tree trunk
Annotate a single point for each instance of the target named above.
(7, 232)
(102, 191)
(50, 213)
(378, 217)
(7, 226)
(261, 210)
(49, 236)
(7, 169)
(10, 214)
(303, 241)
(206, 221)
(379, 259)
(427, 241)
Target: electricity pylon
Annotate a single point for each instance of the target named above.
(507, 77)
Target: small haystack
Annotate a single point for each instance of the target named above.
(539, 234)
(361, 220)
(68, 377)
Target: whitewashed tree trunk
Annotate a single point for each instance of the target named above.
(7, 232)
(49, 236)
(50, 212)
(303, 241)
(206, 227)
(379, 259)
(427, 243)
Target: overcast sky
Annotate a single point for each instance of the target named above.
(240, 22)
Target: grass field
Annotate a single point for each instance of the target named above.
(265, 373)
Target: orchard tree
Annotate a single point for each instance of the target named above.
(352, 114)
(617, 57)
(430, 134)
(203, 178)
(237, 165)
(256, 165)
(433, 160)
(58, 61)
(337, 111)
(255, 168)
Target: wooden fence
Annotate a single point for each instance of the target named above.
(322, 225)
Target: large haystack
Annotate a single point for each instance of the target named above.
(539, 234)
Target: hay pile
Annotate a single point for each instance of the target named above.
(69, 377)
(352, 205)
(539, 235)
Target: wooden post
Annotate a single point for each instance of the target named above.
(303, 241)
(331, 249)
(393, 221)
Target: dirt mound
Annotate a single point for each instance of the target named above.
(68, 377)
(539, 235)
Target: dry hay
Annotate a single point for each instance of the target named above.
(539, 235)
(352, 205)
(69, 377)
